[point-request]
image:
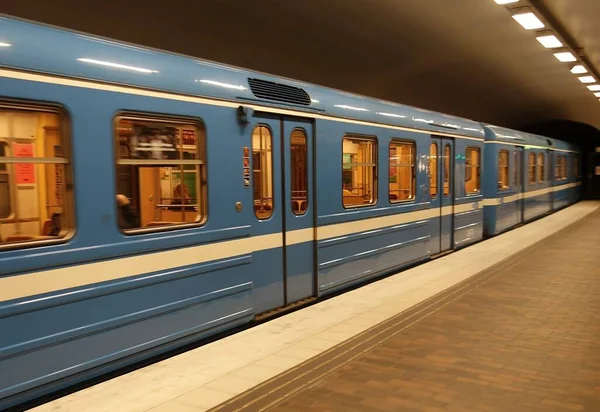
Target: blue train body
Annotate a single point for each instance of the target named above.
(98, 297)
(533, 183)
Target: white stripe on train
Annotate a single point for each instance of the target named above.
(54, 280)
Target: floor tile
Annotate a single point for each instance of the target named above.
(232, 384)
(203, 398)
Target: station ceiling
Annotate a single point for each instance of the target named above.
(463, 57)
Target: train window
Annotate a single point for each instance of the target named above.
(359, 168)
(262, 166)
(540, 167)
(5, 204)
(299, 172)
(402, 158)
(575, 166)
(531, 168)
(516, 169)
(565, 169)
(160, 173)
(433, 172)
(472, 170)
(560, 167)
(503, 182)
(446, 159)
(35, 181)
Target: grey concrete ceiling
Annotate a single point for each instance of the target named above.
(463, 57)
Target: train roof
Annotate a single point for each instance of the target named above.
(44, 49)
(502, 134)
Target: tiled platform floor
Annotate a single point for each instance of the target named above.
(525, 337)
(205, 377)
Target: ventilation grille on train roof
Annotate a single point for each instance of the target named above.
(278, 92)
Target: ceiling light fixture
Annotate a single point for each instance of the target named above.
(579, 69)
(506, 1)
(594, 87)
(549, 41)
(597, 94)
(5, 44)
(565, 57)
(529, 21)
(587, 79)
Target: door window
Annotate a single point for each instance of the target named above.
(433, 172)
(299, 172)
(447, 154)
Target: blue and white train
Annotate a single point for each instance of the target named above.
(148, 199)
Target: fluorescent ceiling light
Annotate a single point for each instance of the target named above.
(225, 85)
(529, 21)
(314, 100)
(118, 66)
(587, 79)
(597, 94)
(579, 69)
(5, 44)
(505, 1)
(550, 41)
(594, 87)
(565, 57)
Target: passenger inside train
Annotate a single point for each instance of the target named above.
(128, 218)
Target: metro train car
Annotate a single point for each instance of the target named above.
(527, 177)
(149, 200)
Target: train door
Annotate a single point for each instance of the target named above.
(299, 233)
(550, 177)
(447, 195)
(441, 189)
(519, 179)
(283, 205)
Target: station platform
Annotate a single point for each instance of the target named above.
(509, 324)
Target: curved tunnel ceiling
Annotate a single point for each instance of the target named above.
(463, 57)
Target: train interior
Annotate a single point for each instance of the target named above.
(33, 201)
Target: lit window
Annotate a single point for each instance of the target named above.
(433, 172)
(402, 171)
(5, 183)
(472, 170)
(503, 170)
(516, 169)
(359, 166)
(160, 173)
(35, 196)
(262, 166)
(531, 168)
(299, 171)
(540, 167)
(446, 160)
